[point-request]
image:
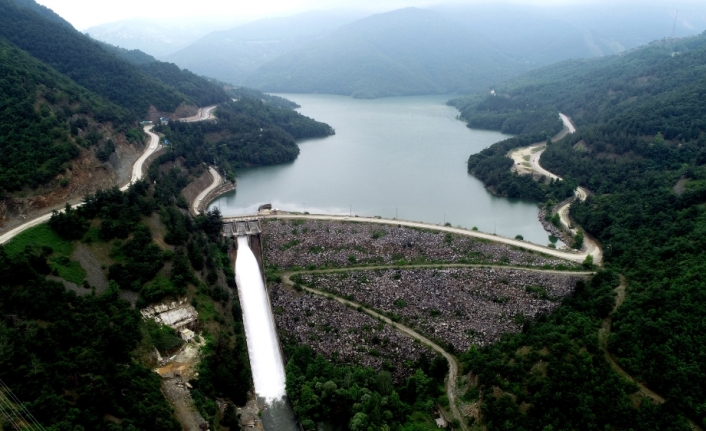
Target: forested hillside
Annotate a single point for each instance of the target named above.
(74, 347)
(250, 93)
(248, 132)
(88, 63)
(407, 51)
(204, 91)
(46, 119)
(641, 150)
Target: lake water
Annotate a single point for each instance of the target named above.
(401, 156)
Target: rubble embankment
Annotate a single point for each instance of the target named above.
(343, 334)
(458, 307)
(315, 243)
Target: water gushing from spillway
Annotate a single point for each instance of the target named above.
(263, 347)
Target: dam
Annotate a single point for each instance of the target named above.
(266, 361)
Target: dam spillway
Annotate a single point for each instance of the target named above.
(263, 347)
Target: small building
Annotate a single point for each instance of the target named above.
(186, 334)
(163, 121)
(441, 422)
(145, 123)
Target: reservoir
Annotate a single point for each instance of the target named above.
(399, 156)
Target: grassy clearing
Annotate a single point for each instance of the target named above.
(204, 306)
(92, 235)
(39, 236)
(59, 261)
(69, 270)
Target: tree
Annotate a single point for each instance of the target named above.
(588, 262)
(359, 422)
(578, 240)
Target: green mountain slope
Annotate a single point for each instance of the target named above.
(248, 132)
(640, 149)
(408, 51)
(42, 114)
(204, 91)
(85, 61)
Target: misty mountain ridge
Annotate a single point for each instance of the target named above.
(155, 37)
(233, 55)
(545, 35)
(338, 52)
(404, 52)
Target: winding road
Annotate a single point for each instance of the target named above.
(526, 161)
(149, 150)
(451, 378)
(604, 335)
(204, 114)
(217, 181)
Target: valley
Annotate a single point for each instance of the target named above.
(462, 216)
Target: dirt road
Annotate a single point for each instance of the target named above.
(604, 334)
(567, 123)
(453, 364)
(202, 115)
(526, 161)
(527, 158)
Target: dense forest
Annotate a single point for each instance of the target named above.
(83, 361)
(203, 90)
(248, 132)
(360, 399)
(70, 355)
(640, 149)
(37, 144)
(509, 115)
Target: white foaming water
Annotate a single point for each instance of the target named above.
(263, 349)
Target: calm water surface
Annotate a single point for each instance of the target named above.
(402, 155)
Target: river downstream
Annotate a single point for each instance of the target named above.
(401, 157)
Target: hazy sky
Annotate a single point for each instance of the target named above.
(87, 13)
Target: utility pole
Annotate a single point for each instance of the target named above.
(674, 28)
(444, 219)
(350, 211)
(494, 228)
(395, 213)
